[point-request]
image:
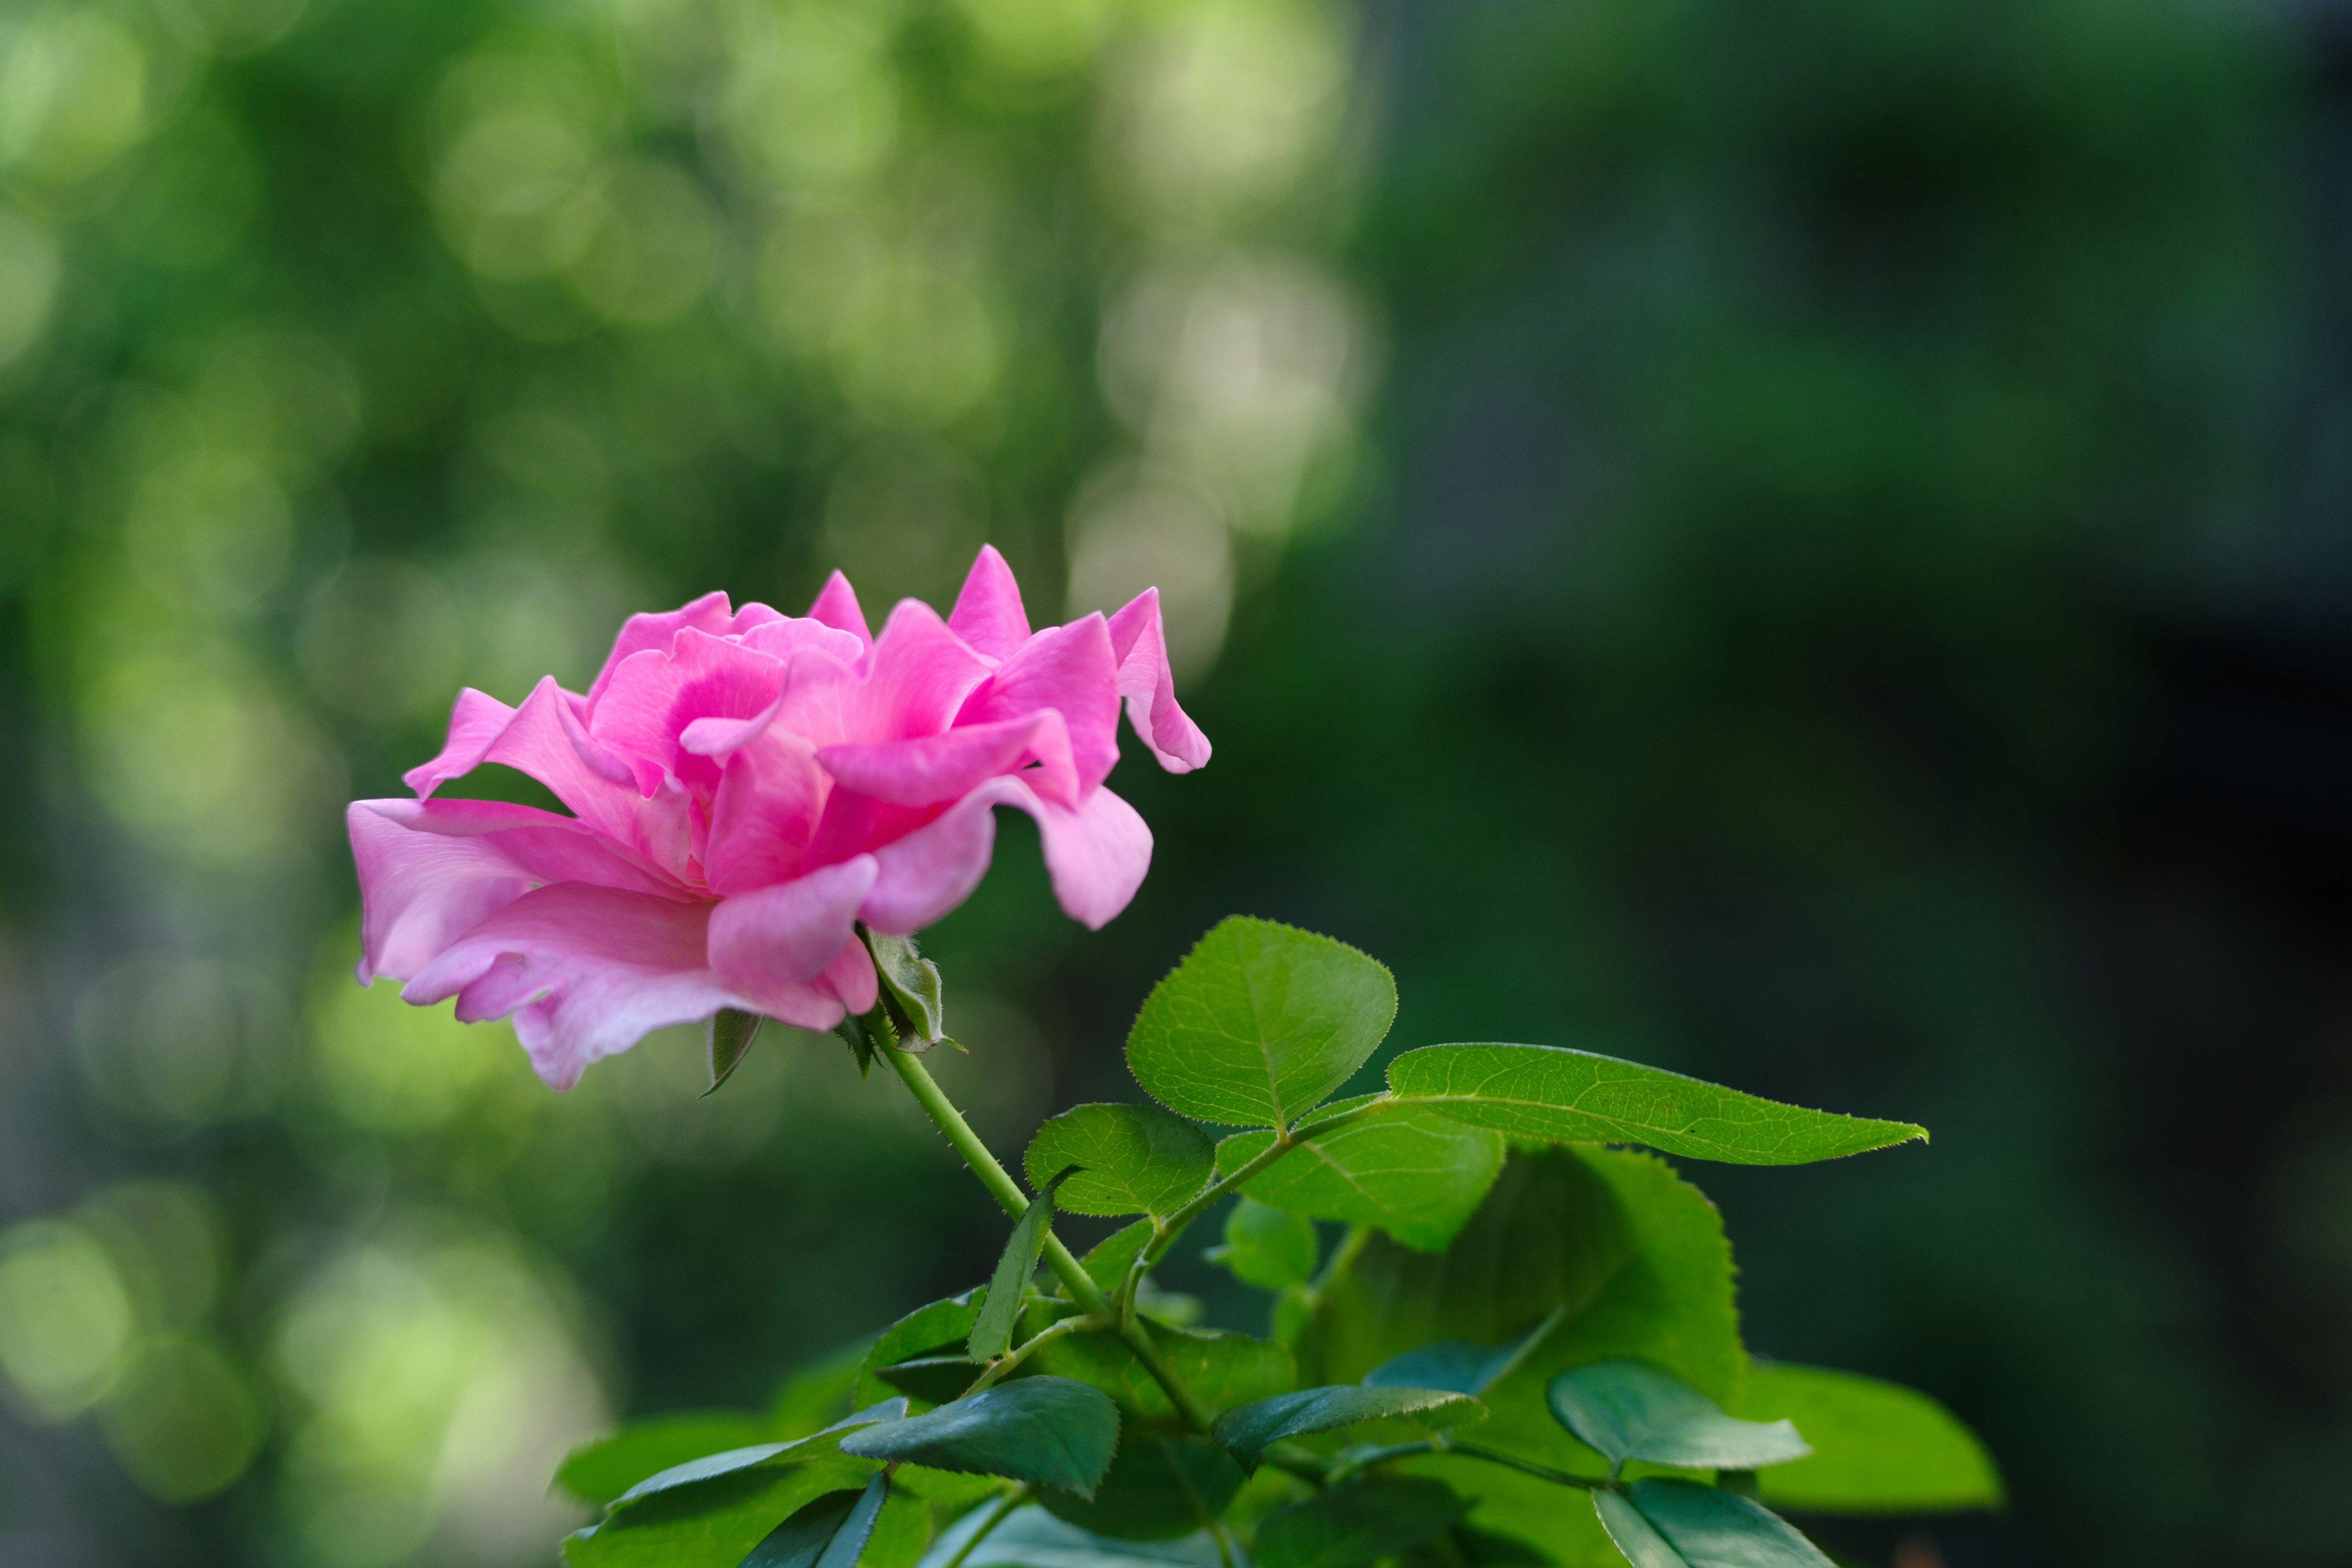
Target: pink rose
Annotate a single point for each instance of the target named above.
(744, 785)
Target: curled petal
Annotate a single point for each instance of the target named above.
(770, 799)
(946, 767)
(911, 683)
(792, 932)
(837, 607)
(708, 613)
(586, 971)
(988, 614)
(657, 694)
(1096, 854)
(1140, 643)
(1070, 670)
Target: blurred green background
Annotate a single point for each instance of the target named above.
(1811, 545)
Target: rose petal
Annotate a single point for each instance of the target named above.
(658, 693)
(850, 977)
(988, 614)
(791, 931)
(770, 799)
(837, 607)
(946, 767)
(641, 632)
(1096, 854)
(1140, 643)
(1068, 670)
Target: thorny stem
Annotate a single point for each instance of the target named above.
(1067, 1268)
(997, 1514)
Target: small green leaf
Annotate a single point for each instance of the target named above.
(1265, 1247)
(1107, 1262)
(1033, 1538)
(933, 1378)
(600, 1471)
(708, 1466)
(830, 1532)
(1049, 1430)
(1410, 1172)
(1258, 1024)
(731, 1033)
(713, 1525)
(1631, 1410)
(1221, 1369)
(941, 1327)
(1358, 1521)
(992, 1330)
(1574, 1096)
(1681, 1524)
(1130, 1159)
(1247, 1431)
(1878, 1447)
(1157, 1488)
(913, 981)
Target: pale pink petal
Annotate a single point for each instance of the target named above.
(1096, 854)
(770, 799)
(788, 635)
(1069, 670)
(656, 694)
(430, 870)
(544, 739)
(836, 605)
(641, 632)
(911, 683)
(988, 613)
(946, 767)
(586, 971)
(1140, 643)
(793, 932)
(850, 977)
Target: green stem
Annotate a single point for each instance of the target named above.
(998, 1511)
(1003, 1365)
(1067, 1268)
(1284, 1140)
(1525, 1466)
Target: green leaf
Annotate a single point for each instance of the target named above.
(991, 1330)
(712, 1525)
(731, 1033)
(600, 1471)
(1033, 1537)
(1107, 1262)
(1223, 1369)
(1258, 1024)
(1157, 1486)
(1878, 1447)
(942, 1327)
(1247, 1430)
(1050, 1430)
(913, 981)
(830, 1532)
(934, 1379)
(1681, 1524)
(1265, 1247)
(708, 1466)
(1631, 1410)
(1460, 1365)
(1410, 1172)
(1357, 1522)
(1634, 1256)
(1574, 1096)
(1130, 1159)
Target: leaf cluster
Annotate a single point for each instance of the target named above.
(1522, 1303)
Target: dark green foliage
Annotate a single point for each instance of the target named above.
(992, 1328)
(1225, 1369)
(1265, 1247)
(1357, 1522)
(1631, 1410)
(1679, 1524)
(1159, 1486)
(830, 1532)
(1049, 1430)
(1248, 1431)
(1407, 1171)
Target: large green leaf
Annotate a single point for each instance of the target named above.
(992, 1328)
(1130, 1159)
(1631, 1410)
(1357, 1522)
(1223, 1369)
(1033, 1537)
(712, 1525)
(1574, 1096)
(1049, 1430)
(1258, 1024)
(1159, 1486)
(1878, 1447)
(1265, 1247)
(1681, 1524)
(1409, 1172)
(600, 1471)
(1635, 1256)
(941, 1327)
(731, 1033)
(1247, 1430)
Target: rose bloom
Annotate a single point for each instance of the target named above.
(744, 785)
